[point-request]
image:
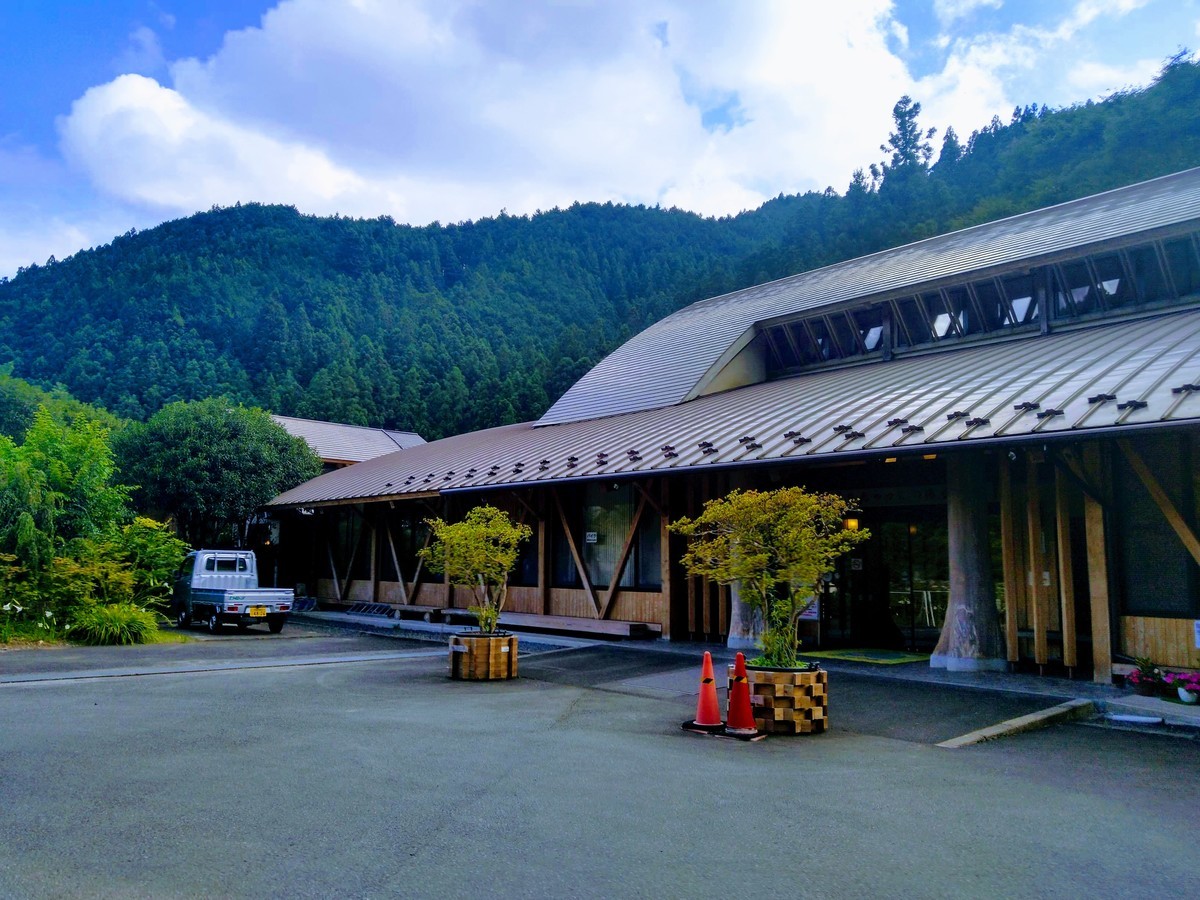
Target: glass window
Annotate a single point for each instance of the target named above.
(941, 318)
(782, 350)
(992, 304)
(845, 334)
(1148, 277)
(1019, 290)
(962, 308)
(1110, 280)
(1074, 292)
(1184, 264)
(914, 328)
(869, 323)
(822, 339)
(804, 344)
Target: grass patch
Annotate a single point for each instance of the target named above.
(164, 636)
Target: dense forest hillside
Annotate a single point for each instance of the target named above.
(443, 329)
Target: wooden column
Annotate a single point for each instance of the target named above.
(543, 547)
(1097, 554)
(970, 637)
(664, 543)
(1066, 569)
(1038, 591)
(1014, 574)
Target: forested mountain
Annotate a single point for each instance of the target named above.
(443, 329)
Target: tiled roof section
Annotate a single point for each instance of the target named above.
(664, 364)
(337, 443)
(1129, 373)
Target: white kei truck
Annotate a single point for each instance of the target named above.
(220, 587)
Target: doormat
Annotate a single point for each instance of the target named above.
(878, 657)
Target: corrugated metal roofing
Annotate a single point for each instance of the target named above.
(662, 365)
(338, 443)
(1134, 372)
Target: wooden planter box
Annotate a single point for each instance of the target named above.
(789, 701)
(483, 657)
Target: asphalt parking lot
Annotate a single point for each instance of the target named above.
(318, 764)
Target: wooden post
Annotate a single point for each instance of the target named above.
(1066, 568)
(1037, 564)
(664, 547)
(374, 560)
(1014, 577)
(543, 582)
(970, 637)
(1097, 554)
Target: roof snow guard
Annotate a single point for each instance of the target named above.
(674, 359)
(1100, 378)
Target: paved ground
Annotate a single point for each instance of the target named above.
(315, 765)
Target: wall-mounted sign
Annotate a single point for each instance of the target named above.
(591, 537)
(813, 613)
(1197, 628)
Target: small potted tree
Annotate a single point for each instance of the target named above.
(776, 545)
(479, 552)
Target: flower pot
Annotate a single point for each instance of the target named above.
(483, 657)
(1145, 688)
(1188, 696)
(789, 701)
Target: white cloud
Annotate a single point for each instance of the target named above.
(454, 109)
(950, 11)
(143, 55)
(449, 110)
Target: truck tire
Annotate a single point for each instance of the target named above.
(275, 623)
(214, 624)
(183, 620)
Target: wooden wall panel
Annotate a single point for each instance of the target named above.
(390, 592)
(641, 606)
(360, 592)
(1169, 642)
(571, 602)
(523, 600)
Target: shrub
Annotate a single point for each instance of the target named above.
(112, 623)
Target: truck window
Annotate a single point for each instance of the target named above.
(225, 564)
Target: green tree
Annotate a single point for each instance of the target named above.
(479, 551)
(210, 464)
(776, 545)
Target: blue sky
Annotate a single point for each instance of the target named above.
(126, 113)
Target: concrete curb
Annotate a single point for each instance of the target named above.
(1072, 709)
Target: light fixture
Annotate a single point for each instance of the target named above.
(850, 524)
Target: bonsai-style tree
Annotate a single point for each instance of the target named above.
(479, 551)
(776, 545)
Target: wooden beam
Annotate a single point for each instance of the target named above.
(387, 530)
(622, 560)
(416, 583)
(1014, 577)
(1039, 606)
(1174, 519)
(337, 589)
(374, 560)
(346, 582)
(1066, 568)
(1097, 554)
(579, 566)
(647, 496)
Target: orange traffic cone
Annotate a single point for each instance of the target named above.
(741, 717)
(708, 711)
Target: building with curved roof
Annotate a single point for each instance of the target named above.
(1031, 384)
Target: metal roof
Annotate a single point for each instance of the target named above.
(337, 443)
(1123, 374)
(667, 362)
